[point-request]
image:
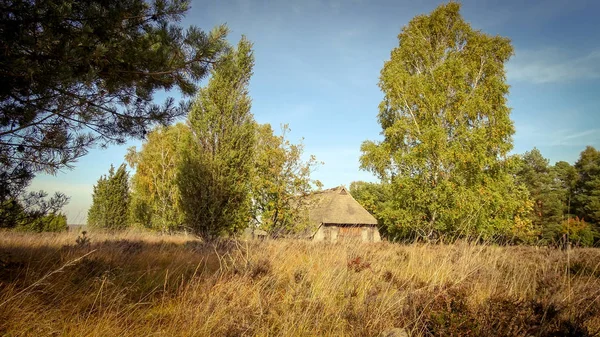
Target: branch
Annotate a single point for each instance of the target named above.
(24, 126)
(412, 114)
(165, 72)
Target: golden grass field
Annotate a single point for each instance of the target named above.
(140, 284)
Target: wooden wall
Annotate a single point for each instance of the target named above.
(333, 233)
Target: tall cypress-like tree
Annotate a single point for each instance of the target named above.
(447, 132)
(215, 175)
(110, 201)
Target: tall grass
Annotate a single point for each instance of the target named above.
(136, 284)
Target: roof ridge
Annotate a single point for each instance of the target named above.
(328, 190)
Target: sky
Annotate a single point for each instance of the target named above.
(317, 65)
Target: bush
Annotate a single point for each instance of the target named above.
(33, 211)
(574, 231)
(48, 223)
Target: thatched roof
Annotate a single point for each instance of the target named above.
(337, 207)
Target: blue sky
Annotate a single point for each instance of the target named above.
(318, 63)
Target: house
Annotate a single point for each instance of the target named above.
(335, 216)
(259, 234)
(252, 233)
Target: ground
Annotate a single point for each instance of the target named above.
(140, 284)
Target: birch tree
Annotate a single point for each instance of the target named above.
(156, 201)
(281, 182)
(447, 132)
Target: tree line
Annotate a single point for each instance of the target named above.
(443, 162)
(444, 165)
(562, 205)
(215, 174)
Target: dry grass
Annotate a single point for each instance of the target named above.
(136, 284)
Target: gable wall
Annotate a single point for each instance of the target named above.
(332, 233)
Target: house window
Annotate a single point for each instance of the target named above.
(370, 233)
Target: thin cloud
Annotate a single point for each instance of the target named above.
(574, 138)
(553, 66)
(583, 134)
(547, 137)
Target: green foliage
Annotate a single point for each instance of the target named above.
(281, 182)
(11, 212)
(573, 230)
(110, 201)
(447, 132)
(377, 199)
(563, 196)
(155, 197)
(32, 211)
(215, 175)
(567, 178)
(14, 180)
(51, 222)
(587, 188)
(75, 73)
(545, 189)
(370, 195)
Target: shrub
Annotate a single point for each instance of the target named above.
(48, 223)
(573, 230)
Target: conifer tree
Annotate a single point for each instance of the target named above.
(587, 188)
(215, 176)
(110, 201)
(544, 187)
(547, 193)
(567, 178)
(75, 73)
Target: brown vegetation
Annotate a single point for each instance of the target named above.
(136, 284)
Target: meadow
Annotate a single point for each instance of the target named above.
(141, 284)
